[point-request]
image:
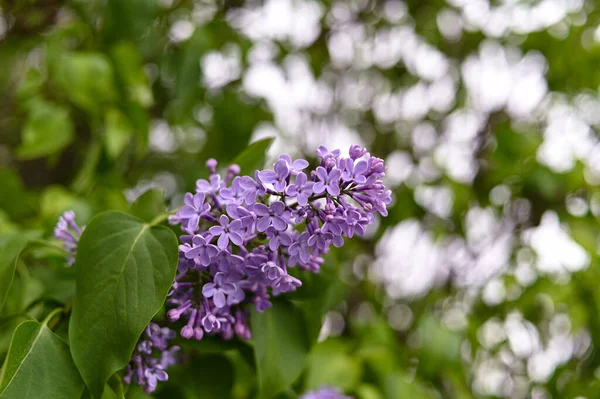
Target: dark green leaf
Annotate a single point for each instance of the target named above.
(204, 377)
(253, 157)
(149, 205)
(14, 197)
(124, 270)
(39, 365)
(47, 131)
(280, 345)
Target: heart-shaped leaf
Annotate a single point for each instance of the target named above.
(124, 270)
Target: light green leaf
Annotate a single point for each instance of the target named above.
(39, 365)
(253, 157)
(330, 365)
(48, 130)
(280, 346)
(9, 254)
(117, 132)
(124, 270)
(149, 205)
(87, 79)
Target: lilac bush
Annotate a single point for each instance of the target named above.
(242, 234)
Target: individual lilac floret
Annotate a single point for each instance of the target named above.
(69, 233)
(278, 176)
(151, 358)
(244, 235)
(325, 393)
(329, 181)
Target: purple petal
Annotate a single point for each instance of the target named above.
(279, 223)
(212, 250)
(235, 225)
(335, 174)
(281, 169)
(208, 290)
(236, 238)
(188, 199)
(360, 179)
(268, 176)
(193, 223)
(299, 164)
(361, 167)
(224, 221)
(319, 187)
(263, 223)
(261, 209)
(333, 190)
(186, 212)
(219, 298)
(216, 230)
(199, 200)
(223, 241)
(273, 244)
(199, 240)
(192, 253)
(278, 207)
(285, 239)
(322, 173)
(247, 183)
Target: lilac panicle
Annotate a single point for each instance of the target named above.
(325, 393)
(242, 234)
(69, 233)
(151, 358)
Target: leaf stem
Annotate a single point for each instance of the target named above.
(49, 244)
(161, 218)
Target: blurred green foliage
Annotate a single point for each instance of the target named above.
(84, 86)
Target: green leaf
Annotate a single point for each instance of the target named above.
(124, 270)
(14, 197)
(130, 72)
(136, 392)
(39, 365)
(280, 345)
(204, 377)
(253, 157)
(330, 365)
(149, 205)
(9, 254)
(87, 79)
(117, 133)
(48, 130)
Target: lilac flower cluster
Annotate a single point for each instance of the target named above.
(68, 232)
(325, 393)
(151, 358)
(243, 233)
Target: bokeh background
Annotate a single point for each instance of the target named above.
(482, 282)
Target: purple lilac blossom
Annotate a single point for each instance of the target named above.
(69, 233)
(325, 393)
(243, 235)
(151, 358)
